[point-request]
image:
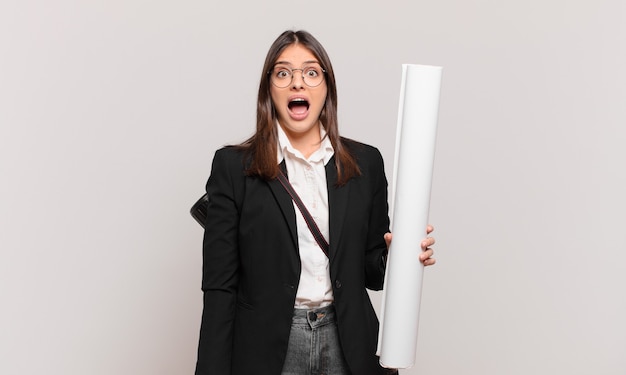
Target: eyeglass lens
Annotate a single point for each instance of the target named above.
(282, 76)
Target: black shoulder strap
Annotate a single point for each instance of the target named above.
(315, 230)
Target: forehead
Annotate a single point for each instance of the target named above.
(296, 55)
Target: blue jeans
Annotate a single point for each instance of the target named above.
(314, 347)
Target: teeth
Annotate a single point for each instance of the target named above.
(298, 100)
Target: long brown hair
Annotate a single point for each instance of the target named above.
(261, 147)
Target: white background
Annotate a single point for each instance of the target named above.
(110, 112)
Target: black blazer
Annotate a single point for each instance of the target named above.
(251, 265)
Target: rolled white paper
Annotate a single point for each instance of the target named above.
(412, 180)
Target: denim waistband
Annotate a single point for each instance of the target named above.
(314, 317)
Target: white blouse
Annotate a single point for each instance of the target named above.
(308, 178)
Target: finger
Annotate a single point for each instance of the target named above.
(426, 254)
(429, 262)
(429, 229)
(427, 242)
(388, 239)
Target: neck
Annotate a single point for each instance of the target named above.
(307, 143)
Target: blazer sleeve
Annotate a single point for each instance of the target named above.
(220, 267)
(376, 252)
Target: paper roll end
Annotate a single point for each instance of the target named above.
(433, 67)
(396, 366)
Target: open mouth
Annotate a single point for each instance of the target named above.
(298, 106)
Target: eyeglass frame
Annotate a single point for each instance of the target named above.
(269, 73)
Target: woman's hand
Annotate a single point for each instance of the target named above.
(426, 257)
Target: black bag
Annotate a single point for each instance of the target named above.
(198, 210)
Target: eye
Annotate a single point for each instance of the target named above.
(312, 72)
(282, 73)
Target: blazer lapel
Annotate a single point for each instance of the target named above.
(337, 204)
(286, 206)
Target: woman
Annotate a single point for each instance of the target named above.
(274, 302)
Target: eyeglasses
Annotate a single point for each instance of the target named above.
(281, 76)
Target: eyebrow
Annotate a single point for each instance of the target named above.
(288, 63)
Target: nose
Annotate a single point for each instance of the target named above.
(297, 80)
